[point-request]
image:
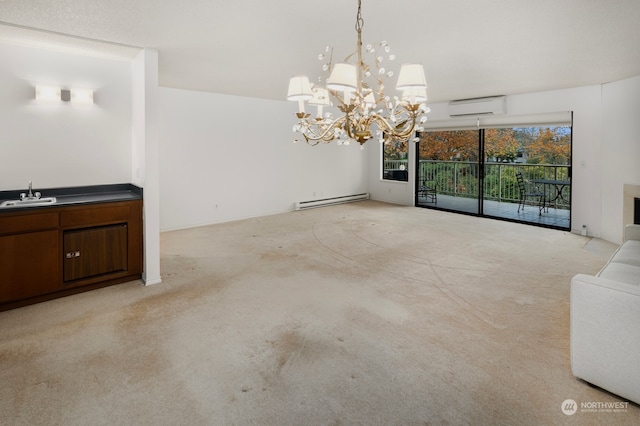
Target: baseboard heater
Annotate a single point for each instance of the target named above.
(301, 205)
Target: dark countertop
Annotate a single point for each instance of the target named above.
(77, 195)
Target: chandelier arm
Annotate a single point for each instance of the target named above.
(393, 131)
(348, 58)
(310, 141)
(308, 131)
(325, 135)
(383, 125)
(408, 130)
(348, 126)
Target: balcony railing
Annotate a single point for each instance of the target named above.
(460, 178)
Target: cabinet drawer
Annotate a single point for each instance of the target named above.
(28, 222)
(94, 251)
(90, 216)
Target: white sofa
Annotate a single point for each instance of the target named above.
(605, 322)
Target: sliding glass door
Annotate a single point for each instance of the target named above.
(449, 169)
(520, 174)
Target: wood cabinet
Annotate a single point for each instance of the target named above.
(94, 251)
(29, 264)
(57, 251)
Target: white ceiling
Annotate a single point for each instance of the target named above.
(470, 48)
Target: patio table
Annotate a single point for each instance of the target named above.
(557, 185)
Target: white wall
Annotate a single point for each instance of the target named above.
(59, 144)
(620, 152)
(226, 157)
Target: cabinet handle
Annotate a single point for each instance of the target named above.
(72, 254)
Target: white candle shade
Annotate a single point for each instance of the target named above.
(411, 77)
(343, 78)
(299, 89)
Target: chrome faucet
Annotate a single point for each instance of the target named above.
(30, 195)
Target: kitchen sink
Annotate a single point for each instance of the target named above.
(29, 202)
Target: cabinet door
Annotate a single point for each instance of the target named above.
(95, 251)
(29, 265)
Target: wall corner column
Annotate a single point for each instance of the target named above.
(145, 155)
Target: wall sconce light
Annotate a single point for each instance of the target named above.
(82, 96)
(48, 93)
(54, 93)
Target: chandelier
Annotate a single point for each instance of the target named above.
(358, 90)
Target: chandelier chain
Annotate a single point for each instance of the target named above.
(359, 19)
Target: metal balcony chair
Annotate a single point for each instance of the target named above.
(525, 193)
(428, 189)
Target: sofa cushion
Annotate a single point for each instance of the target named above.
(622, 272)
(632, 232)
(628, 253)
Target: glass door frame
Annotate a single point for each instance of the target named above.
(533, 215)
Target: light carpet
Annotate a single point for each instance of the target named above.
(359, 314)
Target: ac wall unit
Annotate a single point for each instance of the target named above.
(479, 106)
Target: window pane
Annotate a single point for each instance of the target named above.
(395, 164)
(544, 145)
(448, 161)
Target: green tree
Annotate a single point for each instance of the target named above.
(450, 145)
(552, 146)
(500, 144)
(395, 150)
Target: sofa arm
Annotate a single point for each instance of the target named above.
(605, 334)
(632, 232)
